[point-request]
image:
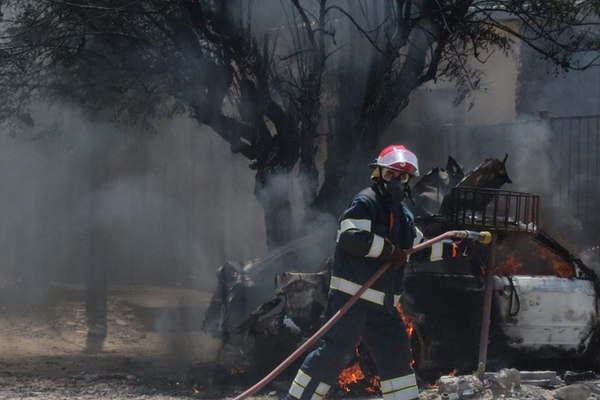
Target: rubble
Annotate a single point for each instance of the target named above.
(459, 387)
(509, 384)
(579, 391)
(546, 379)
(512, 384)
(513, 379)
(432, 187)
(506, 381)
(570, 377)
(242, 289)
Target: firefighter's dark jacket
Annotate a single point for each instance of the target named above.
(368, 230)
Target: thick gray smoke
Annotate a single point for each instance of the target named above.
(528, 145)
(173, 201)
(166, 208)
(537, 159)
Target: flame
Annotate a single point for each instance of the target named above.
(539, 260)
(561, 267)
(354, 373)
(410, 327)
(350, 375)
(511, 266)
(374, 384)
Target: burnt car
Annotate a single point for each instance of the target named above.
(544, 298)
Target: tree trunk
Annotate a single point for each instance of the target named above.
(347, 172)
(273, 192)
(96, 282)
(278, 224)
(360, 119)
(96, 285)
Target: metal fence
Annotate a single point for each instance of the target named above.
(576, 143)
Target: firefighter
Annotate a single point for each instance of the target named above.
(375, 228)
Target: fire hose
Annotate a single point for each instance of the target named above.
(482, 237)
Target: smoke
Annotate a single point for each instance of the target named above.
(527, 142)
(166, 208)
(161, 208)
(537, 157)
(531, 159)
(534, 164)
(179, 194)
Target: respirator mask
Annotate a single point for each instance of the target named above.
(397, 187)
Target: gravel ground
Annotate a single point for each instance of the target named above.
(78, 388)
(106, 377)
(148, 356)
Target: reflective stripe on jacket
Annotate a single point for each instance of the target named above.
(368, 229)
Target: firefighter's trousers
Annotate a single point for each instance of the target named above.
(384, 334)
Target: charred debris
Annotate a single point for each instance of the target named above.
(544, 302)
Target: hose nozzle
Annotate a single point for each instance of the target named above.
(483, 237)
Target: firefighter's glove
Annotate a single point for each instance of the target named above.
(395, 256)
(461, 248)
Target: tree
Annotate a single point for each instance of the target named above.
(271, 77)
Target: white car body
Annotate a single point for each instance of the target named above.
(554, 313)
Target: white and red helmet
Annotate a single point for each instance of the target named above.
(399, 158)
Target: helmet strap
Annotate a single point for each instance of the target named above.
(380, 182)
(409, 195)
